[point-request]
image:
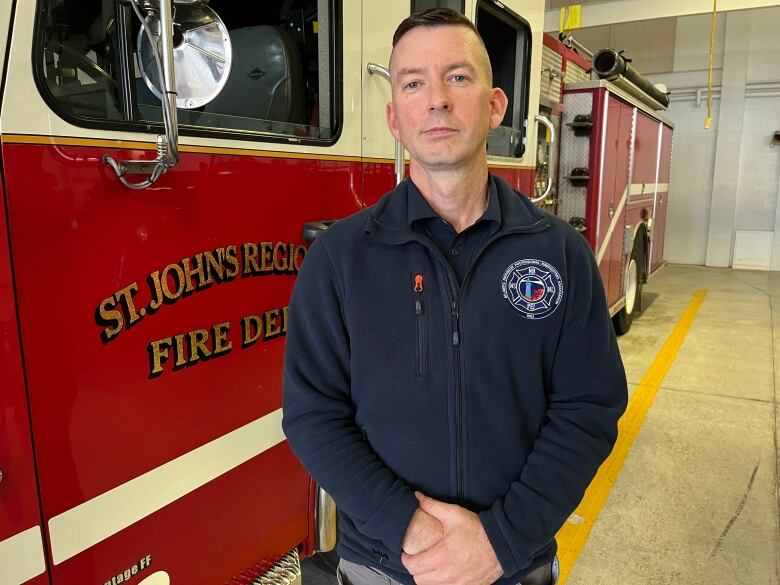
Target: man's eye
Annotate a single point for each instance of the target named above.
(413, 85)
(459, 78)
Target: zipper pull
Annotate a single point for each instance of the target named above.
(455, 315)
(418, 288)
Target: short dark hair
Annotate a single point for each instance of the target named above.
(434, 17)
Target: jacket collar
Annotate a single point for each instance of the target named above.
(389, 221)
(419, 209)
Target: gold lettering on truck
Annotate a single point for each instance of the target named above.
(169, 284)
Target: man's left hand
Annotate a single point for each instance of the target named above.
(464, 556)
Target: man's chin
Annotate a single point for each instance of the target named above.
(443, 163)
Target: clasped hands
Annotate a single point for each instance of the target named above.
(446, 544)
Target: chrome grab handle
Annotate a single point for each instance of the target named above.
(375, 69)
(548, 190)
(400, 164)
(611, 210)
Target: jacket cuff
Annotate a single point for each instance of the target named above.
(499, 543)
(399, 521)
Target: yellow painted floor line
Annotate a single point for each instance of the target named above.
(573, 536)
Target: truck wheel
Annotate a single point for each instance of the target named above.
(633, 288)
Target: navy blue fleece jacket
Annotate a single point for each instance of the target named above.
(500, 394)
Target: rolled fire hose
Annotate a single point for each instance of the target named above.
(612, 66)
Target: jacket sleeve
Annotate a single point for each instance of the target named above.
(319, 417)
(586, 395)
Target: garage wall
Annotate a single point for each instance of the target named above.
(726, 179)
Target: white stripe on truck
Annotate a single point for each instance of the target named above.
(95, 520)
(21, 557)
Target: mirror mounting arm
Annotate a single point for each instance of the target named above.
(167, 144)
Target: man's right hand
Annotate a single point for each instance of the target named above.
(422, 533)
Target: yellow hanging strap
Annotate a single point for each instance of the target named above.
(708, 119)
(571, 18)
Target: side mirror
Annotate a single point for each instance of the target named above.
(201, 50)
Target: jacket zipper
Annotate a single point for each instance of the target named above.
(458, 399)
(422, 342)
(455, 295)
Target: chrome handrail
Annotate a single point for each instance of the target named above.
(400, 155)
(548, 190)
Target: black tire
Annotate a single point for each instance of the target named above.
(634, 277)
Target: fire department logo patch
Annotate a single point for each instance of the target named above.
(534, 288)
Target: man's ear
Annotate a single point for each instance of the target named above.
(498, 105)
(392, 123)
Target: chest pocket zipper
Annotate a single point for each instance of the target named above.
(422, 337)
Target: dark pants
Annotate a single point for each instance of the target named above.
(350, 573)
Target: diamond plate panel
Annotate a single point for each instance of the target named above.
(575, 151)
(285, 571)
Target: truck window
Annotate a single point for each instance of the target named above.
(281, 83)
(508, 41)
(420, 5)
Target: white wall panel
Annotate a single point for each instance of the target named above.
(690, 184)
(753, 249)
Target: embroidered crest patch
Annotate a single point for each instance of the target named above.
(533, 287)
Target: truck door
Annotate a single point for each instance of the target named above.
(615, 182)
(153, 321)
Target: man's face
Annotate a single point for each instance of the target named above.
(443, 104)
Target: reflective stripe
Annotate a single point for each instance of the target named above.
(95, 520)
(648, 188)
(21, 557)
(615, 218)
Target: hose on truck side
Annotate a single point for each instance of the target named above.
(611, 65)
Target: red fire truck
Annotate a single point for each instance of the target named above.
(612, 165)
(164, 167)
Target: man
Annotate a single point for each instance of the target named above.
(451, 378)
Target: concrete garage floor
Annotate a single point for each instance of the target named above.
(696, 501)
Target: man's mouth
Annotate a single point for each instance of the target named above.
(439, 131)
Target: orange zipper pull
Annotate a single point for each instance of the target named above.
(418, 283)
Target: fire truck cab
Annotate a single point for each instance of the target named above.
(164, 167)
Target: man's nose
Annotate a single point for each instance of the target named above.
(439, 98)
